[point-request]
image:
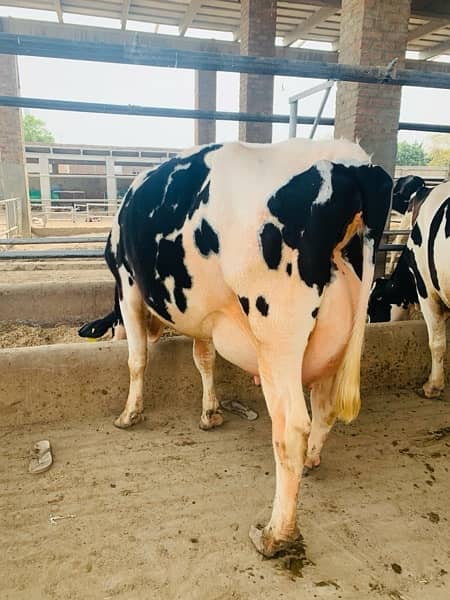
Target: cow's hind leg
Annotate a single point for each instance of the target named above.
(323, 418)
(204, 358)
(280, 372)
(434, 315)
(133, 313)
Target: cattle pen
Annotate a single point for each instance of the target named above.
(120, 513)
(162, 510)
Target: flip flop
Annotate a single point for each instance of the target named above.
(240, 409)
(41, 457)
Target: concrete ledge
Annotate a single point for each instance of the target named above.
(50, 303)
(51, 383)
(70, 230)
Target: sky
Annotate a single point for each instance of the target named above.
(174, 88)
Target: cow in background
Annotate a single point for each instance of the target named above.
(422, 275)
(266, 253)
(404, 191)
(408, 193)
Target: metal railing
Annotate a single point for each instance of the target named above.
(75, 211)
(9, 217)
(293, 106)
(98, 253)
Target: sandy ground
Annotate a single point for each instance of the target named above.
(162, 511)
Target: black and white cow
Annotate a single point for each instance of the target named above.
(408, 193)
(405, 189)
(266, 253)
(422, 275)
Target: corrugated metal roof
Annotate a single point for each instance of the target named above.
(297, 22)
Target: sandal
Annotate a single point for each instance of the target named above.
(41, 458)
(240, 409)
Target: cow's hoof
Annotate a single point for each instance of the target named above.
(312, 463)
(127, 420)
(430, 391)
(267, 545)
(308, 469)
(212, 418)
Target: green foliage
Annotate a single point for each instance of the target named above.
(34, 130)
(440, 150)
(411, 154)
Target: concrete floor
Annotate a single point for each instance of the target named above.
(163, 511)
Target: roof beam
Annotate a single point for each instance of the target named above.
(58, 10)
(422, 30)
(131, 39)
(193, 7)
(125, 10)
(435, 50)
(308, 24)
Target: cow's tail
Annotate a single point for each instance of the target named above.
(98, 328)
(376, 190)
(347, 381)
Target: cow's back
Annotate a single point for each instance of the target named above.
(430, 243)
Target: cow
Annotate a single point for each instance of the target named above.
(264, 252)
(422, 276)
(408, 193)
(405, 189)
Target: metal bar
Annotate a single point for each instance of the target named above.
(102, 239)
(320, 111)
(20, 255)
(51, 240)
(391, 247)
(397, 232)
(27, 45)
(311, 91)
(293, 112)
(43, 254)
(152, 111)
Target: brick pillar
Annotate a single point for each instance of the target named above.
(13, 171)
(373, 32)
(258, 21)
(205, 99)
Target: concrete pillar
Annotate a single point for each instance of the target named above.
(14, 177)
(373, 32)
(258, 22)
(205, 99)
(111, 185)
(44, 180)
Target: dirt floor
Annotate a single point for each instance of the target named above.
(162, 511)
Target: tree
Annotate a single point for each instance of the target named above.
(411, 154)
(440, 150)
(35, 130)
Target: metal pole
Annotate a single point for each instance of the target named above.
(183, 113)
(319, 114)
(293, 111)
